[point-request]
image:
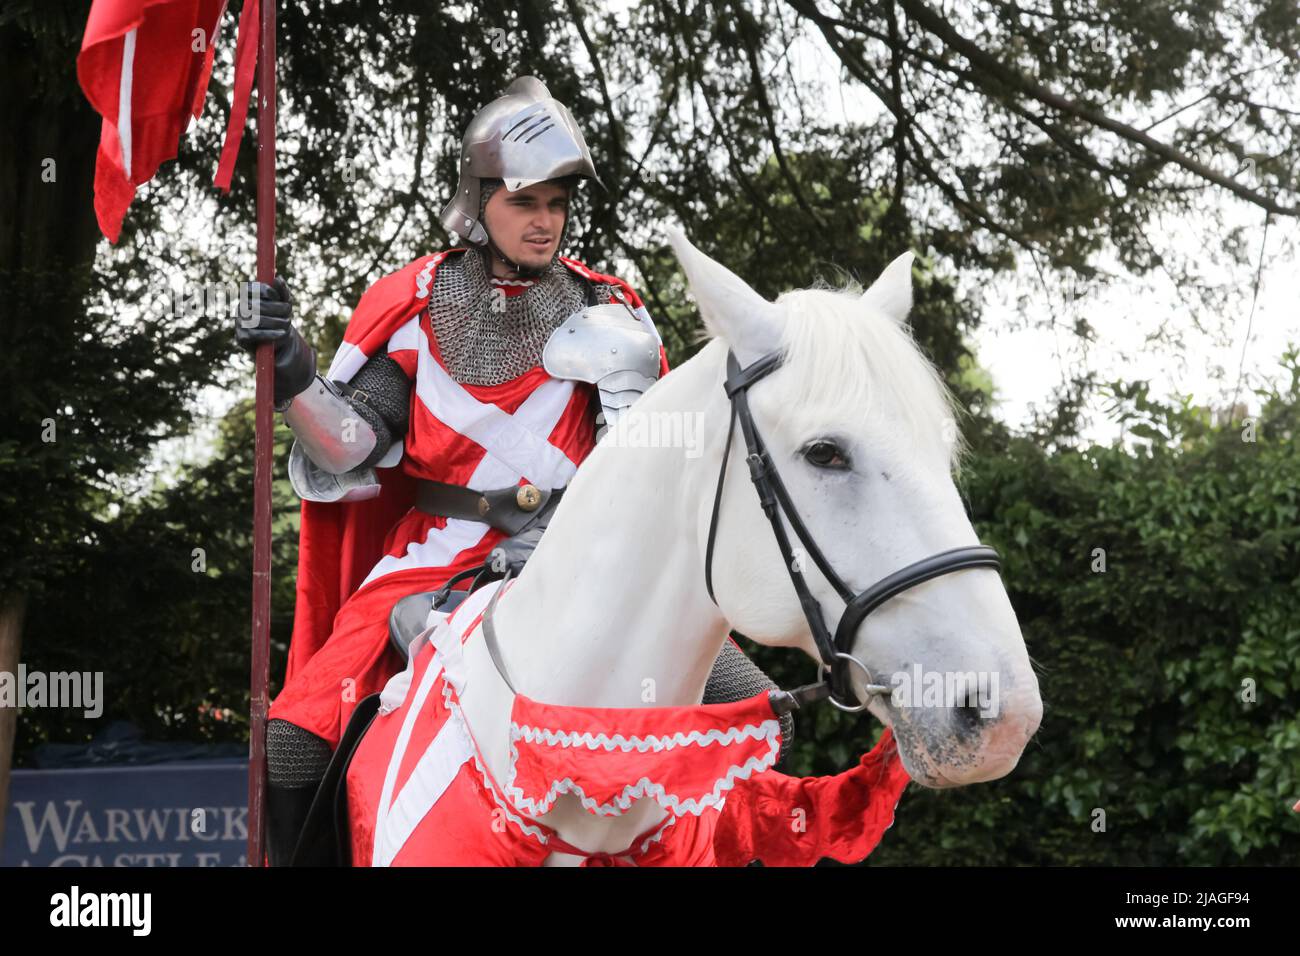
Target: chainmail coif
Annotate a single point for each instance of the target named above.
(486, 337)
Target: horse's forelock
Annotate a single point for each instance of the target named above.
(840, 352)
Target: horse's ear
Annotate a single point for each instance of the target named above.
(891, 294)
(732, 311)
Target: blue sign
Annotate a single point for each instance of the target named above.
(189, 813)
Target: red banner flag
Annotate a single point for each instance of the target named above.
(144, 67)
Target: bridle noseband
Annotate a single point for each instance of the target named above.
(835, 684)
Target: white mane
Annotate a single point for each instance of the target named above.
(840, 350)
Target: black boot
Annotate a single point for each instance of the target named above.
(286, 811)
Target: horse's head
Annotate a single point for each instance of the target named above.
(860, 428)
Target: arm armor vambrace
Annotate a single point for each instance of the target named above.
(376, 403)
(331, 432)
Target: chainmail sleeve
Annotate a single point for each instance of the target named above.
(735, 677)
(381, 394)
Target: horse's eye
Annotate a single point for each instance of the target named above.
(826, 454)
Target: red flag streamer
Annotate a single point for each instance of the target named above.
(144, 67)
(245, 64)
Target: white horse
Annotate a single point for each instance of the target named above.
(860, 428)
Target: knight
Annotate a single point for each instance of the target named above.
(468, 388)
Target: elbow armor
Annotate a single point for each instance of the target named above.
(313, 483)
(345, 430)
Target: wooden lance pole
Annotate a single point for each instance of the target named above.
(265, 432)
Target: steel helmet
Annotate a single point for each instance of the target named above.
(526, 136)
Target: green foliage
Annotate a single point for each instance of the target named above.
(159, 598)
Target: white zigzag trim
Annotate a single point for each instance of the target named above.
(658, 835)
(655, 742)
(645, 787)
(526, 828)
(422, 280)
(510, 814)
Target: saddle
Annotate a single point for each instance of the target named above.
(411, 614)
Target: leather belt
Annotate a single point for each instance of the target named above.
(512, 510)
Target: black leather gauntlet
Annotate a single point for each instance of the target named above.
(265, 313)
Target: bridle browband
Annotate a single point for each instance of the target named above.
(836, 659)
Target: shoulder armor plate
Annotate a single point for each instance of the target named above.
(608, 346)
(601, 340)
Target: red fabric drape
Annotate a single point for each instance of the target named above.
(144, 67)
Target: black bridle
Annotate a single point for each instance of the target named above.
(835, 684)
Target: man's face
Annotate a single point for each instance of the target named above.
(526, 225)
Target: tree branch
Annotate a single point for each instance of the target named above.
(697, 77)
(896, 46)
(748, 31)
(856, 69)
(937, 26)
(421, 141)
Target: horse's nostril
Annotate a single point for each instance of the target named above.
(967, 720)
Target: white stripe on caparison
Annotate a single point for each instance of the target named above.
(414, 706)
